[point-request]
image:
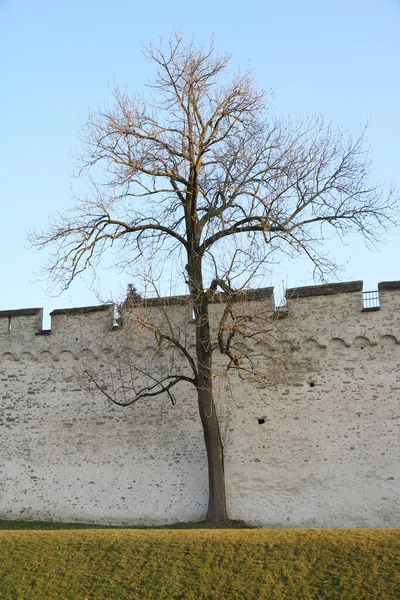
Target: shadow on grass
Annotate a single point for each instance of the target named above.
(47, 525)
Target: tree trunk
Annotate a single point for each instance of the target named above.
(212, 437)
(215, 457)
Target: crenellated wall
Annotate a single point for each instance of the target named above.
(315, 444)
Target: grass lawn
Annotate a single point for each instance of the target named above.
(195, 564)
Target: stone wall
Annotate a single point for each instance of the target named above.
(316, 444)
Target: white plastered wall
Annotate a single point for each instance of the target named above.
(316, 446)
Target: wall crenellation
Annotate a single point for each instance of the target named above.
(26, 324)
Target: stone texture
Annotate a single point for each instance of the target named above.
(315, 445)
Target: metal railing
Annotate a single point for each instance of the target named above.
(371, 300)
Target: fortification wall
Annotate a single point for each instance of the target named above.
(316, 444)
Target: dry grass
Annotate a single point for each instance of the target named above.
(164, 564)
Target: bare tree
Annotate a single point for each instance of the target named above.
(199, 168)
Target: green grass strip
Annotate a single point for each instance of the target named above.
(345, 564)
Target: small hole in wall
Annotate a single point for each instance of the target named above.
(311, 383)
(261, 421)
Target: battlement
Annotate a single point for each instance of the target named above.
(27, 323)
(101, 317)
(329, 302)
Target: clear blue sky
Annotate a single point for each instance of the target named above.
(337, 58)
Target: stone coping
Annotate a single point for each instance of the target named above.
(256, 294)
(20, 312)
(384, 286)
(326, 289)
(81, 310)
(253, 294)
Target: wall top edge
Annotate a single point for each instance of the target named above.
(20, 312)
(255, 294)
(159, 301)
(252, 294)
(81, 310)
(259, 294)
(324, 290)
(384, 286)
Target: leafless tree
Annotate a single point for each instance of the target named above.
(199, 168)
